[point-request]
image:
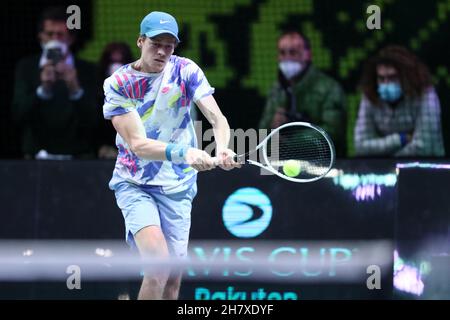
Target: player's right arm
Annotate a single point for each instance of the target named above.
(127, 122)
(131, 129)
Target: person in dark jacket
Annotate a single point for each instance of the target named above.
(54, 100)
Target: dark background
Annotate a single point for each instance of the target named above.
(71, 200)
(339, 27)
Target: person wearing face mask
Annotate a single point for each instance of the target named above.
(304, 93)
(399, 113)
(54, 96)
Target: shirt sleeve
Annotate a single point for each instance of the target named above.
(333, 118)
(427, 137)
(367, 140)
(116, 101)
(197, 86)
(276, 99)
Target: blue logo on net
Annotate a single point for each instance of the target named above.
(247, 213)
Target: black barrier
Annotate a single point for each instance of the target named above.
(58, 200)
(356, 203)
(422, 246)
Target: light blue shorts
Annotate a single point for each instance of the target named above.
(170, 212)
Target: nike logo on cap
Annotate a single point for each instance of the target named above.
(163, 21)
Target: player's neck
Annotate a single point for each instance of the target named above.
(140, 66)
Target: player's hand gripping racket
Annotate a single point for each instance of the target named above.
(296, 151)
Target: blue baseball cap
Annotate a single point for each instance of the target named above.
(156, 23)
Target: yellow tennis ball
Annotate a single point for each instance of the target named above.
(291, 168)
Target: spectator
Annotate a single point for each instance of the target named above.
(114, 55)
(399, 114)
(303, 93)
(54, 96)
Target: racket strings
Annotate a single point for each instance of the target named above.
(307, 147)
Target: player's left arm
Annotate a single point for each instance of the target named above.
(208, 106)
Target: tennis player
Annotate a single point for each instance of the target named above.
(154, 178)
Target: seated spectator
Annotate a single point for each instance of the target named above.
(114, 55)
(303, 93)
(54, 96)
(399, 114)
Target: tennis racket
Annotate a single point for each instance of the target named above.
(296, 151)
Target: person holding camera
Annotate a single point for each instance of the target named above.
(303, 93)
(54, 96)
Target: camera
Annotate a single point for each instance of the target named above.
(54, 55)
(54, 51)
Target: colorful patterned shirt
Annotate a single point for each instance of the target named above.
(163, 102)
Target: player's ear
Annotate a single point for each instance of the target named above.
(140, 42)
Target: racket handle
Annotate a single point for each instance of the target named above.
(235, 159)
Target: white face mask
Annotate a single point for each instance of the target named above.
(290, 68)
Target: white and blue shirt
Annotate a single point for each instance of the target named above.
(163, 102)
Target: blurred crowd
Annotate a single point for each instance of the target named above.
(58, 97)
